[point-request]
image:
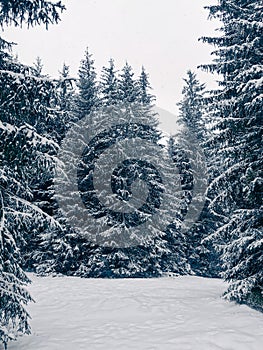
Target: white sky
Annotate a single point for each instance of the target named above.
(162, 35)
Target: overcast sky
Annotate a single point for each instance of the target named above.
(162, 35)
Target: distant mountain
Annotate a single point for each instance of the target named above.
(168, 121)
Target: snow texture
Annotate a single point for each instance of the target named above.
(183, 313)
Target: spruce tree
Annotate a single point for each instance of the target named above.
(13, 294)
(59, 99)
(20, 143)
(187, 149)
(237, 145)
(65, 91)
(57, 250)
(26, 157)
(87, 95)
(38, 67)
(109, 85)
(144, 86)
(30, 12)
(129, 90)
(191, 108)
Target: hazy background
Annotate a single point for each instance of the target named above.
(162, 35)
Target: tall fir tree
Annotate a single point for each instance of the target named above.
(59, 249)
(237, 146)
(65, 99)
(86, 97)
(20, 142)
(38, 67)
(109, 85)
(191, 108)
(193, 131)
(59, 104)
(129, 90)
(144, 86)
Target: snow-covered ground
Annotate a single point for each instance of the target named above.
(184, 313)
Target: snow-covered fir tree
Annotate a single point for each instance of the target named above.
(237, 146)
(193, 131)
(38, 67)
(59, 103)
(109, 85)
(191, 107)
(145, 96)
(86, 97)
(20, 142)
(13, 294)
(129, 89)
(65, 99)
(57, 250)
(31, 13)
(59, 95)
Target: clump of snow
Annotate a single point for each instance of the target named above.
(183, 313)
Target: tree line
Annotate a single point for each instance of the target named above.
(36, 112)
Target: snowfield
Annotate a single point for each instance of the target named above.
(184, 313)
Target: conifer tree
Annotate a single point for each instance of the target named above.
(144, 86)
(128, 87)
(237, 145)
(191, 108)
(20, 142)
(87, 96)
(38, 67)
(58, 101)
(58, 249)
(193, 131)
(65, 91)
(13, 294)
(30, 12)
(109, 85)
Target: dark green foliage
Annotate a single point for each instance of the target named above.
(144, 86)
(109, 85)
(86, 98)
(193, 119)
(13, 295)
(128, 87)
(38, 67)
(70, 252)
(30, 12)
(191, 108)
(25, 152)
(65, 89)
(236, 194)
